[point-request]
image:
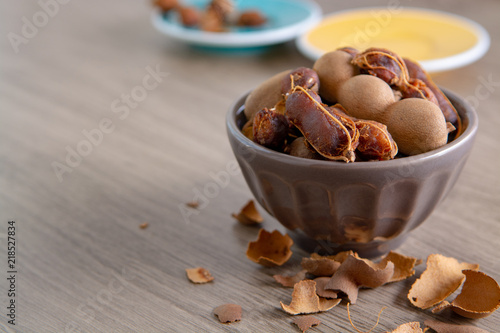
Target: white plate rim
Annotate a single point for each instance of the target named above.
(435, 65)
(235, 39)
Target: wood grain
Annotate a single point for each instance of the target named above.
(86, 266)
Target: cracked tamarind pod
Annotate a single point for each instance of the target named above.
(416, 88)
(326, 134)
(302, 76)
(450, 113)
(374, 142)
(392, 69)
(383, 64)
(339, 112)
(270, 129)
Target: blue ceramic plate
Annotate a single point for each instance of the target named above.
(286, 19)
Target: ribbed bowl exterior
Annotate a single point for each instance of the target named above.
(368, 207)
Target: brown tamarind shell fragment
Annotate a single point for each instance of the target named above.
(326, 134)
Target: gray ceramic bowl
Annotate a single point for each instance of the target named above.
(368, 207)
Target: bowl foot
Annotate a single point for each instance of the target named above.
(372, 249)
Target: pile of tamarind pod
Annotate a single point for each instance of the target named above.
(352, 106)
(217, 16)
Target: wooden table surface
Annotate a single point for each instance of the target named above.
(83, 263)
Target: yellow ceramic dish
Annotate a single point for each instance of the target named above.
(439, 41)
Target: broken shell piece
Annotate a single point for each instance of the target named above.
(440, 279)
(441, 327)
(320, 288)
(480, 296)
(228, 313)
(413, 327)
(340, 256)
(270, 249)
(249, 215)
(441, 306)
(403, 265)
(199, 275)
(290, 281)
(355, 273)
(305, 300)
(306, 322)
(320, 267)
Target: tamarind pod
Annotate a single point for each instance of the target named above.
(373, 140)
(340, 113)
(302, 76)
(270, 129)
(383, 64)
(449, 112)
(324, 132)
(416, 88)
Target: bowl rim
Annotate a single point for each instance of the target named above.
(468, 134)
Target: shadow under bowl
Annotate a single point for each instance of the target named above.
(367, 207)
